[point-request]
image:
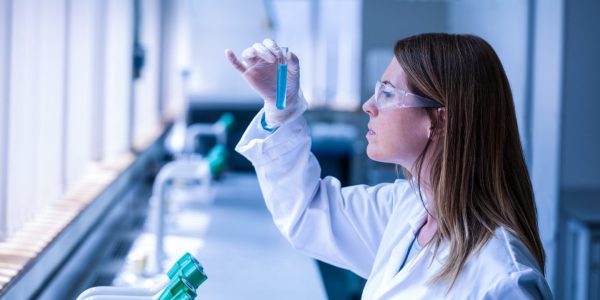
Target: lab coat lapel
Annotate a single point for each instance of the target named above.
(397, 257)
(422, 263)
(393, 272)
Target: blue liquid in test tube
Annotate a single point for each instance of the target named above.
(282, 68)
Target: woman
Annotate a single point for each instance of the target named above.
(463, 224)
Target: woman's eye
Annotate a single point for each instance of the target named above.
(387, 94)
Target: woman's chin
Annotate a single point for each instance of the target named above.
(376, 154)
(373, 154)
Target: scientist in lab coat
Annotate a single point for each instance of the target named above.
(461, 226)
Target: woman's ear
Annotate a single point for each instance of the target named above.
(437, 130)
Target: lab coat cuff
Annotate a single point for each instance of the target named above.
(260, 146)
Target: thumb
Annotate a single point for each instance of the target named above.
(293, 63)
(235, 61)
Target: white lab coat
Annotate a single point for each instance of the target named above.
(368, 229)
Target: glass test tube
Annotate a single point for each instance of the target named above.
(282, 68)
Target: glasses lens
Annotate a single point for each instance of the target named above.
(388, 97)
(385, 96)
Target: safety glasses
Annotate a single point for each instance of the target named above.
(388, 97)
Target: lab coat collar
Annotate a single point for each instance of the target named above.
(443, 250)
(417, 222)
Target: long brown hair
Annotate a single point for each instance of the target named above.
(478, 175)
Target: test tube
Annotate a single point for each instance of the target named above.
(282, 68)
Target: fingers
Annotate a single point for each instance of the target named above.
(274, 48)
(263, 52)
(293, 63)
(249, 53)
(235, 61)
(267, 51)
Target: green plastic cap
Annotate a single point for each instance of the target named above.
(194, 274)
(181, 295)
(176, 287)
(188, 268)
(179, 264)
(216, 159)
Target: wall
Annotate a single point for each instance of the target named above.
(213, 29)
(545, 122)
(503, 24)
(387, 21)
(580, 145)
(5, 8)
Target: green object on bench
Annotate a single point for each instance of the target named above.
(216, 159)
(186, 275)
(190, 269)
(227, 121)
(179, 288)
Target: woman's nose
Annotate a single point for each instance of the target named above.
(369, 107)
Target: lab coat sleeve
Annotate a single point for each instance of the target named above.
(524, 284)
(341, 226)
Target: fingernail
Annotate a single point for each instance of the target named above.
(269, 42)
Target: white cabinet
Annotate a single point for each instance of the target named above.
(579, 262)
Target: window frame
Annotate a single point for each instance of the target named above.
(5, 36)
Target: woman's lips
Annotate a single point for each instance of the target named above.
(370, 133)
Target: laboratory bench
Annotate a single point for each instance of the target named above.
(232, 235)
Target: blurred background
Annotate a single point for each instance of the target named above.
(118, 120)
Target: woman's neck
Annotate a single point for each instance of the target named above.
(429, 229)
(427, 232)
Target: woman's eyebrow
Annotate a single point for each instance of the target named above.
(388, 83)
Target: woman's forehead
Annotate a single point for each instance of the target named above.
(395, 74)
